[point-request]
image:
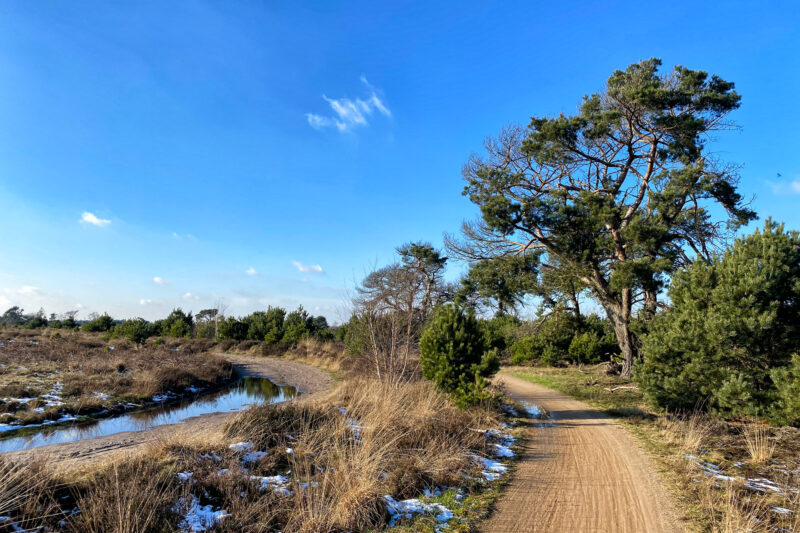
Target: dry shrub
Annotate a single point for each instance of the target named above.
(689, 432)
(329, 355)
(760, 447)
(732, 508)
(86, 365)
(134, 496)
(389, 440)
(27, 495)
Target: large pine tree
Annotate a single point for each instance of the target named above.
(618, 194)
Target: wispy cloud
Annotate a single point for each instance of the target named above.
(190, 296)
(312, 269)
(159, 280)
(349, 114)
(91, 218)
(25, 290)
(29, 290)
(251, 271)
(785, 187)
(145, 301)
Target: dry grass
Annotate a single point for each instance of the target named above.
(391, 440)
(759, 445)
(689, 433)
(329, 355)
(87, 367)
(27, 495)
(128, 497)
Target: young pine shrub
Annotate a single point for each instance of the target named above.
(453, 356)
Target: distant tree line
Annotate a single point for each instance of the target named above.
(272, 326)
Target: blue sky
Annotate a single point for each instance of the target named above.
(162, 154)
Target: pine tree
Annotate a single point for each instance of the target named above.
(734, 320)
(453, 355)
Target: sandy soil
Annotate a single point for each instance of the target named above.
(580, 472)
(308, 381)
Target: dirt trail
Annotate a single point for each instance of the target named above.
(580, 472)
(306, 379)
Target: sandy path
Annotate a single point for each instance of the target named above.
(581, 472)
(308, 381)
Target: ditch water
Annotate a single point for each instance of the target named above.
(243, 393)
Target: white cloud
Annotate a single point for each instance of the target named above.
(145, 301)
(29, 290)
(785, 187)
(159, 281)
(91, 218)
(190, 296)
(349, 113)
(314, 269)
(251, 271)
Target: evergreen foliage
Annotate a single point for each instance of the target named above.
(453, 355)
(729, 336)
(613, 196)
(100, 324)
(136, 330)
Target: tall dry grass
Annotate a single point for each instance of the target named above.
(390, 440)
(27, 495)
(688, 432)
(760, 447)
(134, 496)
(394, 440)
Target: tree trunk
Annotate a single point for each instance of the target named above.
(619, 314)
(650, 304)
(576, 306)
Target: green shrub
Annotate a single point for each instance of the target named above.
(453, 355)
(136, 330)
(99, 324)
(733, 325)
(552, 354)
(786, 408)
(525, 350)
(587, 347)
(178, 324)
(499, 331)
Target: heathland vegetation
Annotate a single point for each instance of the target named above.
(616, 225)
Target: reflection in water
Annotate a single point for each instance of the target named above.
(241, 394)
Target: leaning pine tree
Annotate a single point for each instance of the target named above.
(618, 195)
(453, 355)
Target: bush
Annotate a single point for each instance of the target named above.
(525, 350)
(453, 355)
(731, 330)
(136, 330)
(587, 347)
(786, 409)
(100, 324)
(233, 329)
(178, 324)
(499, 331)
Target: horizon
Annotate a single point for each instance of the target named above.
(165, 156)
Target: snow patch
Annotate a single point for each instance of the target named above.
(242, 446)
(200, 517)
(408, 508)
(275, 483)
